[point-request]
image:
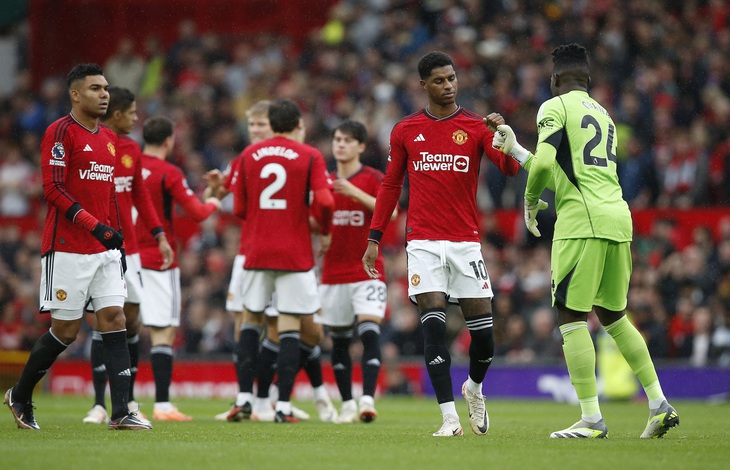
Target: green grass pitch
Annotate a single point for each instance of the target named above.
(399, 439)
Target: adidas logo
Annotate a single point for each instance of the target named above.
(101, 368)
(338, 366)
(125, 372)
(485, 286)
(88, 148)
(420, 138)
(373, 362)
(485, 361)
(437, 361)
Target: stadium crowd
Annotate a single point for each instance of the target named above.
(661, 69)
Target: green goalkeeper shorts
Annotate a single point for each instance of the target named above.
(591, 271)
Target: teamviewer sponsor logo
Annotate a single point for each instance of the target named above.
(441, 162)
(461, 163)
(123, 184)
(97, 172)
(345, 217)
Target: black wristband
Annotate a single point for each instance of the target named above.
(157, 231)
(73, 210)
(375, 236)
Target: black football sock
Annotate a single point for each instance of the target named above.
(288, 363)
(45, 351)
(342, 362)
(311, 362)
(436, 354)
(248, 348)
(98, 369)
(369, 333)
(481, 349)
(266, 368)
(116, 359)
(133, 346)
(161, 359)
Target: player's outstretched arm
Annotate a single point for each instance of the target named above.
(505, 141)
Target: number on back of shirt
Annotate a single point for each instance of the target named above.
(588, 157)
(266, 199)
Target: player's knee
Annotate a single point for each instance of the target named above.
(312, 333)
(434, 326)
(482, 342)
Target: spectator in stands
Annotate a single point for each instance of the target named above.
(125, 69)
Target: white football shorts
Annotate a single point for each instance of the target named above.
(133, 276)
(455, 268)
(296, 292)
(234, 300)
(69, 280)
(162, 303)
(341, 303)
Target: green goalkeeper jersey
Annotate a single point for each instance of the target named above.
(576, 155)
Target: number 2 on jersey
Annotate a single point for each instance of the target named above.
(594, 160)
(266, 201)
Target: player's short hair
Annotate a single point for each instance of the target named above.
(156, 130)
(284, 115)
(81, 71)
(433, 60)
(259, 108)
(354, 129)
(120, 99)
(570, 57)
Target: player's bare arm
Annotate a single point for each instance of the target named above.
(168, 255)
(214, 179)
(368, 260)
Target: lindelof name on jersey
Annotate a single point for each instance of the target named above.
(441, 162)
(275, 151)
(97, 172)
(352, 218)
(123, 184)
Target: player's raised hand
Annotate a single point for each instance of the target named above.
(531, 210)
(215, 201)
(214, 178)
(344, 187)
(368, 260)
(505, 141)
(492, 121)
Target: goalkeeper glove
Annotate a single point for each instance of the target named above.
(505, 141)
(531, 210)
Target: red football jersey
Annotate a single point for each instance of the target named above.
(273, 194)
(230, 185)
(77, 165)
(131, 192)
(442, 158)
(350, 223)
(167, 186)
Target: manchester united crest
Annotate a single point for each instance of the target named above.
(61, 295)
(111, 148)
(460, 137)
(415, 280)
(127, 161)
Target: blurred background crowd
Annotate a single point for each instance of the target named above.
(662, 70)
